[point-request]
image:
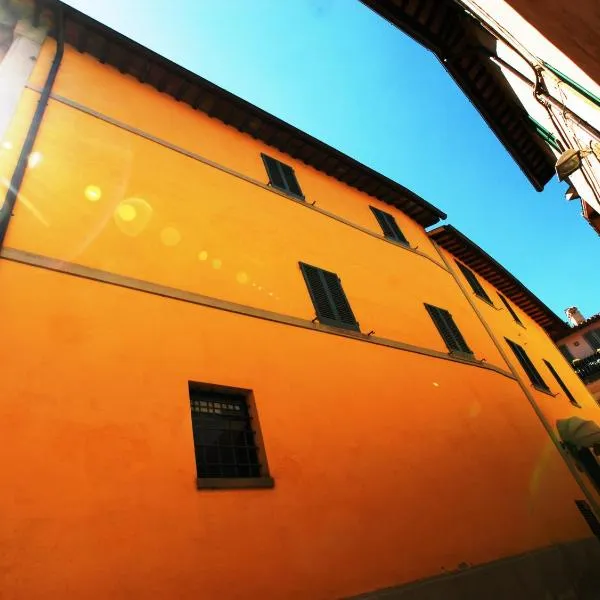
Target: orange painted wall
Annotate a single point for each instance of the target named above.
(197, 228)
(375, 451)
(539, 347)
(103, 89)
(375, 484)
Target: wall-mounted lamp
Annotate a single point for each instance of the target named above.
(572, 194)
(570, 160)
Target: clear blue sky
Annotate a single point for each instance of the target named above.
(343, 74)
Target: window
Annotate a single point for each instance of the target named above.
(589, 516)
(593, 338)
(448, 330)
(564, 350)
(282, 176)
(510, 309)
(327, 295)
(474, 283)
(528, 366)
(226, 438)
(389, 226)
(560, 382)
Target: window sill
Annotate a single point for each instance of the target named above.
(339, 325)
(463, 355)
(287, 193)
(543, 390)
(488, 302)
(397, 242)
(234, 483)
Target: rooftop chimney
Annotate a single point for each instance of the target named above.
(574, 316)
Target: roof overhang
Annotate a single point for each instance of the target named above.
(131, 58)
(464, 48)
(482, 263)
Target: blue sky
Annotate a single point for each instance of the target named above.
(343, 74)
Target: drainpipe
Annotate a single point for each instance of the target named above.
(19, 172)
(549, 430)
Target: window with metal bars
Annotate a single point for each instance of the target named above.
(448, 329)
(564, 350)
(590, 518)
(474, 282)
(510, 309)
(528, 366)
(593, 338)
(389, 226)
(328, 297)
(226, 438)
(282, 176)
(562, 384)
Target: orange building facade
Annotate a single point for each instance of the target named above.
(164, 272)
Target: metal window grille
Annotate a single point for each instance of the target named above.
(224, 434)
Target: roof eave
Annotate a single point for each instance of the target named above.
(460, 56)
(130, 57)
(452, 240)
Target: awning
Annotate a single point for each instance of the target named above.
(578, 432)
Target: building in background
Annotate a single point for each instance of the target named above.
(539, 103)
(581, 347)
(236, 365)
(571, 26)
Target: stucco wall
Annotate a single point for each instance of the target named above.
(390, 465)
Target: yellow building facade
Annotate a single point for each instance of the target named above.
(176, 263)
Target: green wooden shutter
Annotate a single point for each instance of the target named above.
(291, 181)
(529, 368)
(566, 353)
(593, 338)
(561, 383)
(276, 178)
(389, 226)
(510, 309)
(328, 297)
(282, 176)
(589, 516)
(474, 282)
(448, 329)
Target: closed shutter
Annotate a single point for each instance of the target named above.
(566, 353)
(528, 366)
(389, 226)
(561, 383)
(593, 338)
(328, 297)
(282, 176)
(448, 329)
(589, 516)
(474, 282)
(510, 309)
(290, 180)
